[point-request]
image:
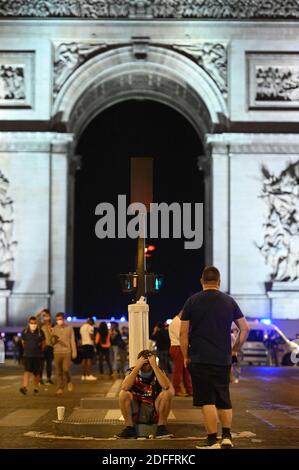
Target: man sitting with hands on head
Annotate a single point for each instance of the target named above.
(145, 397)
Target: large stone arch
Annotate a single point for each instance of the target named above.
(157, 73)
(138, 72)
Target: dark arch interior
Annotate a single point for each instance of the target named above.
(134, 129)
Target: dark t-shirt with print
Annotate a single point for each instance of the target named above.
(145, 390)
(33, 342)
(211, 313)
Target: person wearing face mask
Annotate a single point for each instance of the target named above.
(63, 340)
(145, 397)
(33, 340)
(45, 321)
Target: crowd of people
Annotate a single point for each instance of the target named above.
(196, 351)
(44, 342)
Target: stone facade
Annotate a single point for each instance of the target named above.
(237, 84)
(150, 9)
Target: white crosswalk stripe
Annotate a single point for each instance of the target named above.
(4, 387)
(10, 377)
(22, 417)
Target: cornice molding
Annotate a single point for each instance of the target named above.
(152, 9)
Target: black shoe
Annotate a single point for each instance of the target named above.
(41, 382)
(23, 390)
(127, 433)
(35, 391)
(50, 381)
(162, 432)
(226, 442)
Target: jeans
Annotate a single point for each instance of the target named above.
(104, 353)
(62, 365)
(48, 357)
(163, 359)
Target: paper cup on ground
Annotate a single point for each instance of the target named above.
(60, 413)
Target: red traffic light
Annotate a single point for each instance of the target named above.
(148, 250)
(151, 248)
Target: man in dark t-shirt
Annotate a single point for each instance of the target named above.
(33, 339)
(206, 344)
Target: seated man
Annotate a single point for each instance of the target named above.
(145, 397)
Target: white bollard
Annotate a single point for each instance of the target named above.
(138, 329)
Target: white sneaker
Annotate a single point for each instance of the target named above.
(226, 443)
(91, 377)
(83, 377)
(70, 387)
(209, 445)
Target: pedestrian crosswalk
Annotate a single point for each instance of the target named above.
(5, 387)
(22, 417)
(10, 377)
(114, 390)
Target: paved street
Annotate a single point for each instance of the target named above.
(266, 413)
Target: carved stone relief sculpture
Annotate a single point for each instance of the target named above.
(17, 79)
(273, 80)
(212, 57)
(12, 85)
(217, 9)
(280, 246)
(7, 244)
(68, 57)
(277, 83)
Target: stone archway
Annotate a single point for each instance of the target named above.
(139, 71)
(155, 73)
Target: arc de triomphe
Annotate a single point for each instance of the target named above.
(232, 72)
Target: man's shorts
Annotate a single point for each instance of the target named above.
(211, 385)
(143, 413)
(32, 364)
(87, 351)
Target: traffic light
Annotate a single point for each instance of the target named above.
(148, 250)
(153, 282)
(128, 282)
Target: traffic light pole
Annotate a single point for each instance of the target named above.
(138, 312)
(141, 269)
(141, 192)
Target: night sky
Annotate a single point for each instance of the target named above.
(134, 129)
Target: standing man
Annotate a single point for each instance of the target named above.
(210, 314)
(44, 318)
(63, 340)
(87, 343)
(33, 340)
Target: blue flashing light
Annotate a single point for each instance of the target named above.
(94, 318)
(69, 319)
(112, 318)
(123, 319)
(266, 321)
(168, 321)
